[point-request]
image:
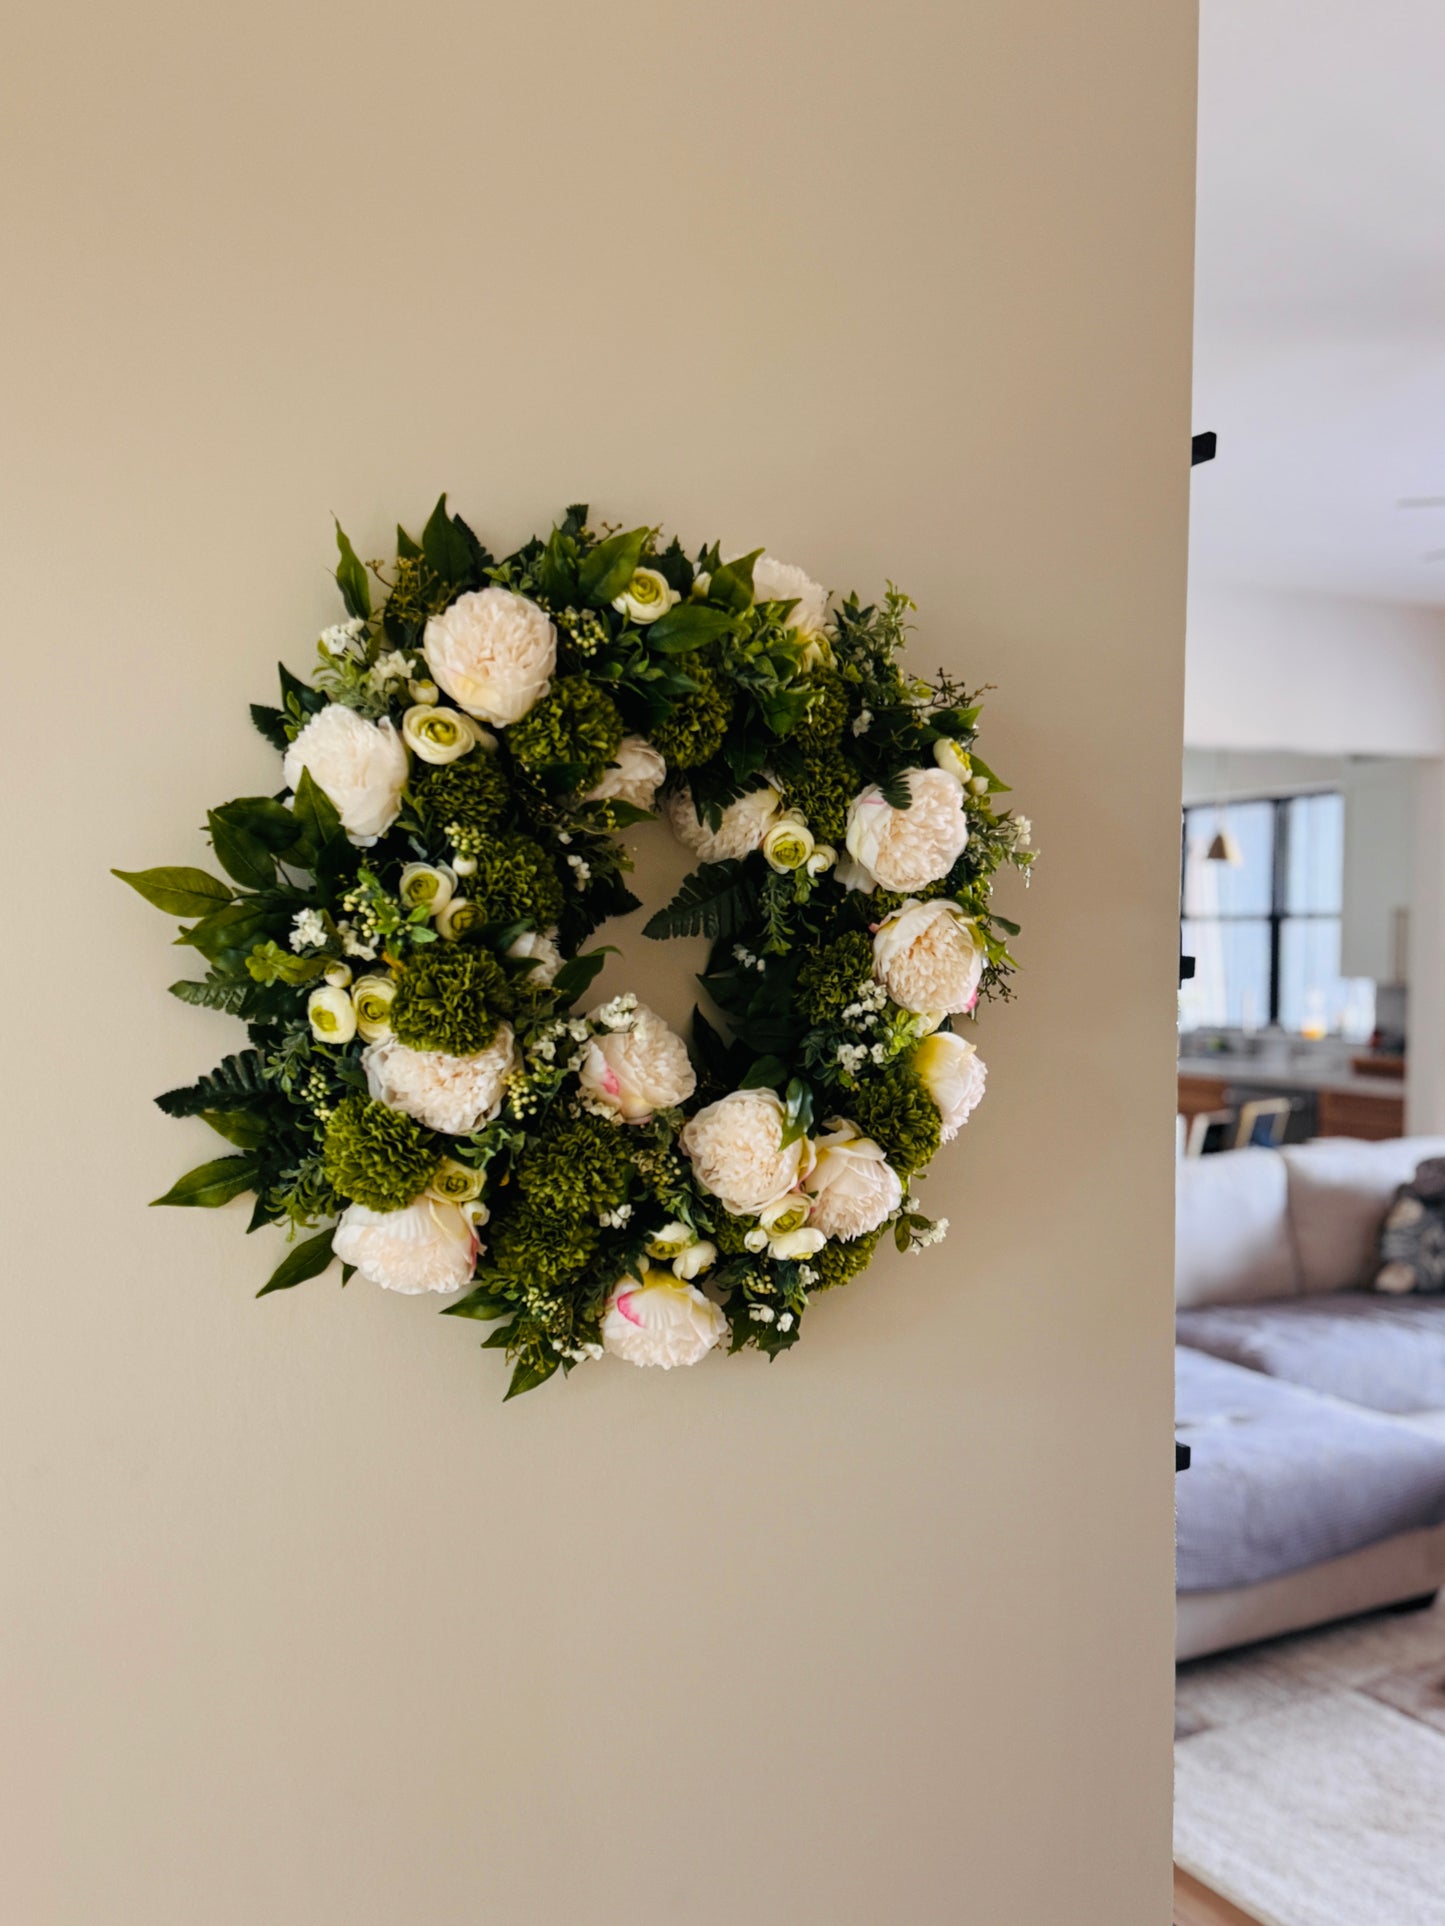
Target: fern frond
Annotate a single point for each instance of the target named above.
(719, 899)
(237, 1083)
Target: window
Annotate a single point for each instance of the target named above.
(1265, 931)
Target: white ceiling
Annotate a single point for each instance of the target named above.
(1320, 296)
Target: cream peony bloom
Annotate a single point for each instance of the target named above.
(775, 581)
(736, 1150)
(541, 946)
(361, 766)
(742, 829)
(646, 597)
(456, 1095)
(854, 1187)
(429, 1246)
(371, 998)
(954, 1075)
(929, 958)
(789, 843)
(636, 1071)
(906, 849)
(660, 1321)
(438, 735)
(333, 1019)
(493, 652)
(632, 776)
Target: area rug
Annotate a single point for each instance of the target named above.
(1327, 1810)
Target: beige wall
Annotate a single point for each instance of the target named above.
(300, 1625)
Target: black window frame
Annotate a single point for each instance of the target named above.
(1277, 915)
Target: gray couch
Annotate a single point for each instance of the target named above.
(1315, 1408)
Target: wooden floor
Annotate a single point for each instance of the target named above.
(1195, 1905)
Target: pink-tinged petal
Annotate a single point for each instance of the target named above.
(611, 1082)
(623, 1303)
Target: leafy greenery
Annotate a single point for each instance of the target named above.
(377, 1156)
(450, 998)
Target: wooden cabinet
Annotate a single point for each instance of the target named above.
(1352, 1113)
(1198, 1094)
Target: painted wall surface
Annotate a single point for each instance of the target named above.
(300, 1624)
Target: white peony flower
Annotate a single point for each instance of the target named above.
(360, 765)
(372, 998)
(854, 1187)
(429, 1246)
(333, 1020)
(954, 1075)
(456, 1095)
(696, 1259)
(775, 581)
(427, 885)
(906, 849)
(929, 958)
(438, 735)
(736, 1150)
(646, 597)
(493, 652)
(632, 776)
(953, 758)
(789, 843)
(540, 945)
(637, 1070)
(742, 829)
(660, 1321)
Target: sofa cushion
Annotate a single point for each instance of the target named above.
(1283, 1479)
(1232, 1235)
(1384, 1352)
(1339, 1191)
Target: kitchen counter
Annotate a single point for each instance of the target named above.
(1260, 1073)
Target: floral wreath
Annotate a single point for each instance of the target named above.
(402, 931)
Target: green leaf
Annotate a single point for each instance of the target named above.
(531, 1372)
(688, 627)
(262, 817)
(308, 701)
(235, 926)
(235, 996)
(767, 1072)
(351, 579)
(317, 815)
(407, 550)
(243, 1128)
(237, 1083)
(445, 547)
(499, 1339)
(732, 585)
(798, 1113)
(272, 725)
(606, 572)
(981, 768)
(580, 972)
(557, 570)
(269, 963)
(719, 899)
(179, 892)
(210, 1185)
(901, 1235)
(243, 857)
(305, 1261)
(480, 1303)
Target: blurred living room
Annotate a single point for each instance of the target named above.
(1310, 1723)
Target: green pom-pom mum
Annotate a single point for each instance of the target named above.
(576, 724)
(471, 792)
(577, 1170)
(830, 979)
(449, 999)
(822, 727)
(896, 1111)
(836, 1263)
(693, 729)
(823, 789)
(376, 1156)
(516, 881)
(539, 1247)
(729, 1231)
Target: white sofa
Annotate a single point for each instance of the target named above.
(1314, 1408)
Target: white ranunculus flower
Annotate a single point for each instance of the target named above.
(775, 581)
(788, 1213)
(458, 1184)
(460, 915)
(632, 776)
(906, 849)
(427, 885)
(540, 945)
(660, 1320)
(929, 958)
(493, 652)
(455, 1095)
(822, 859)
(737, 1152)
(372, 997)
(953, 758)
(428, 1246)
(789, 842)
(338, 975)
(646, 597)
(438, 735)
(954, 1075)
(333, 1020)
(670, 1241)
(854, 1187)
(742, 829)
(360, 765)
(797, 1244)
(696, 1259)
(636, 1071)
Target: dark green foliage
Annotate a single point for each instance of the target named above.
(578, 1168)
(693, 728)
(301, 1262)
(827, 718)
(822, 788)
(896, 1111)
(830, 978)
(576, 726)
(377, 1156)
(540, 1247)
(716, 900)
(471, 792)
(516, 881)
(237, 1083)
(836, 1263)
(451, 998)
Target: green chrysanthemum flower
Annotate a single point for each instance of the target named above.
(540, 1247)
(577, 1170)
(830, 979)
(577, 723)
(450, 998)
(836, 1263)
(377, 1156)
(822, 727)
(896, 1111)
(694, 727)
(516, 881)
(471, 792)
(823, 789)
(729, 1231)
